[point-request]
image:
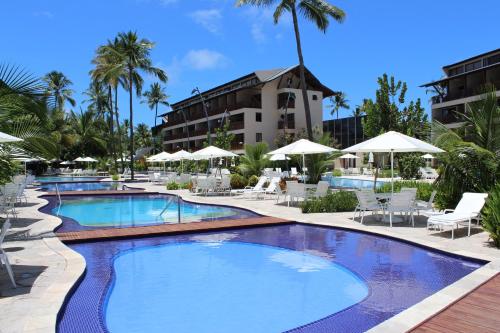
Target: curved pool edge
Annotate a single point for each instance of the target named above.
(419, 312)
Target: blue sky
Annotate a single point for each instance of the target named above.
(208, 42)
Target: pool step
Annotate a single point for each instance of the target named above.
(166, 229)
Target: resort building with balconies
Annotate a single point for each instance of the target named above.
(462, 84)
(259, 106)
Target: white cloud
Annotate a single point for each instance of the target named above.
(204, 59)
(210, 19)
(44, 13)
(262, 21)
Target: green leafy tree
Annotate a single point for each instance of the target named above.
(143, 135)
(58, 88)
(255, 159)
(223, 137)
(338, 101)
(88, 140)
(317, 164)
(317, 11)
(155, 96)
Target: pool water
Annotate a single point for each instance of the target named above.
(100, 211)
(294, 278)
(341, 182)
(261, 288)
(80, 186)
(56, 179)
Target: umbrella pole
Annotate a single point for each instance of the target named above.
(303, 166)
(392, 172)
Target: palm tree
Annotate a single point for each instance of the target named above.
(58, 88)
(110, 69)
(154, 96)
(87, 137)
(136, 58)
(143, 135)
(317, 11)
(97, 98)
(338, 101)
(255, 159)
(356, 113)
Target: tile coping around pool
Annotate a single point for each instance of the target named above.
(43, 321)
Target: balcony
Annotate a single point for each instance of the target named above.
(290, 124)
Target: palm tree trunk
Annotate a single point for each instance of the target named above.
(131, 124)
(154, 136)
(302, 75)
(118, 128)
(112, 127)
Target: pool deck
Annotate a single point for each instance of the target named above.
(46, 269)
(167, 229)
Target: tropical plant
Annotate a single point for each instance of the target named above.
(340, 201)
(338, 101)
(7, 169)
(58, 89)
(238, 181)
(424, 190)
(317, 11)
(223, 137)
(154, 96)
(88, 139)
(253, 180)
(317, 164)
(255, 159)
(491, 215)
(143, 135)
(409, 165)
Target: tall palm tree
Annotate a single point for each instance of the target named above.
(58, 88)
(338, 101)
(143, 135)
(110, 68)
(87, 137)
(356, 113)
(97, 98)
(154, 96)
(136, 57)
(317, 11)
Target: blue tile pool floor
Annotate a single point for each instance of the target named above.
(294, 278)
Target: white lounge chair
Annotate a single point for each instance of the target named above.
(468, 209)
(4, 259)
(367, 202)
(320, 191)
(271, 188)
(257, 188)
(425, 205)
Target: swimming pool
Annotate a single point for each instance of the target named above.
(80, 186)
(57, 179)
(341, 182)
(117, 211)
(294, 278)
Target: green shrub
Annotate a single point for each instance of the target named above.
(491, 215)
(238, 181)
(173, 186)
(409, 165)
(253, 180)
(424, 190)
(340, 201)
(7, 169)
(337, 173)
(386, 173)
(185, 186)
(115, 177)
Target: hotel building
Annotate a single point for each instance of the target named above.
(259, 107)
(462, 84)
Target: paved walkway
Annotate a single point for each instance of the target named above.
(46, 269)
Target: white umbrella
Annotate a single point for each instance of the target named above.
(212, 152)
(303, 147)
(4, 138)
(66, 163)
(348, 157)
(161, 157)
(279, 157)
(180, 156)
(427, 156)
(393, 142)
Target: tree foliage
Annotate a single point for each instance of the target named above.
(255, 159)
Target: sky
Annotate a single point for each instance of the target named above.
(204, 43)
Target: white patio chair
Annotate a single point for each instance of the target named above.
(425, 205)
(355, 171)
(367, 202)
(184, 178)
(4, 259)
(293, 172)
(270, 189)
(402, 202)
(225, 185)
(295, 191)
(320, 191)
(257, 188)
(468, 209)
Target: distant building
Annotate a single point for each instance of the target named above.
(461, 84)
(255, 104)
(346, 131)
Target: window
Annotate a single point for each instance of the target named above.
(258, 137)
(492, 60)
(258, 117)
(284, 97)
(315, 97)
(472, 66)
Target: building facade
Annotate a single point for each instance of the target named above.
(259, 106)
(462, 84)
(345, 131)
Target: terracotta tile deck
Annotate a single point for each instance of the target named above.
(165, 229)
(478, 311)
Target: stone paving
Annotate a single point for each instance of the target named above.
(46, 269)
